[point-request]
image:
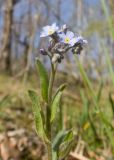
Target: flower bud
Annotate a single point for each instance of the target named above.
(77, 50)
(64, 28)
(43, 51)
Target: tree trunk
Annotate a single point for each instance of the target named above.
(7, 33)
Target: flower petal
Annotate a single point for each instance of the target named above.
(72, 42)
(70, 34)
(49, 30)
(43, 34)
(54, 25)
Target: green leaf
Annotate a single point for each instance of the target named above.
(44, 81)
(99, 92)
(61, 137)
(85, 114)
(37, 114)
(62, 144)
(110, 135)
(58, 140)
(68, 137)
(55, 105)
(56, 101)
(111, 102)
(5, 100)
(61, 88)
(66, 147)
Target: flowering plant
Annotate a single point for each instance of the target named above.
(60, 41)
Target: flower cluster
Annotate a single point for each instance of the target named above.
(60, 41)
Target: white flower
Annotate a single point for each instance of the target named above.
(49, 30)
(77, 40)
(66, 38)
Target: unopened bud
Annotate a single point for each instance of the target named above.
(77, 50)
(43, 51)
(64, 28)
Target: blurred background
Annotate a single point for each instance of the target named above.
(88, 102)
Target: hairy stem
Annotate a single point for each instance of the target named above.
(51, 82)
(52, 76)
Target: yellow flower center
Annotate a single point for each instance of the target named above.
(67, 39)
(51, 31)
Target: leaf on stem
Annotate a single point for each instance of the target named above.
(62, 143)
(56, 101)
(44, 81)
(62, 136)
(37, 114)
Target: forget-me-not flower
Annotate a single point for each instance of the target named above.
(61, 41)
(49, 30)
(78, 40)
(66, 38)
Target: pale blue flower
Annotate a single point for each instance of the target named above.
(49, 30)
(78, 40)
(66, 38)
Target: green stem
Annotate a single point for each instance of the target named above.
(49, 148)
(51, 82)
(52, 76)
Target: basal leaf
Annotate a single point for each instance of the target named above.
(44, 81)
(37, 114)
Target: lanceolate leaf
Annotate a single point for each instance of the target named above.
(56, 101)
(68, 137)
(65, 149)
(55, 104)
(37, 114)
(44, 81)
(58, 140)
(61, 88)
(62, 136)
(66, 146)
